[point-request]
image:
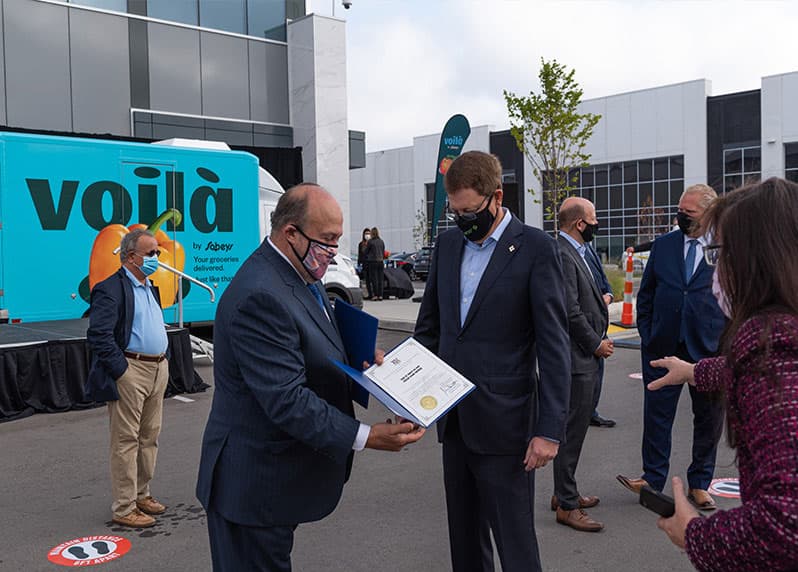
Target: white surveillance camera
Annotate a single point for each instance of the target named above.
(347, 4)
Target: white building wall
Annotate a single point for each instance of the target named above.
(662, 121)
(779, 120)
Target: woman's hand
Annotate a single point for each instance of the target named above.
(679, 371)
(676, 525)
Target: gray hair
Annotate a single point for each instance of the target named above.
(130, 242)
(706, 193)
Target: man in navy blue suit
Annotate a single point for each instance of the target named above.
(281, 433)
(494, 309)
(677, 315)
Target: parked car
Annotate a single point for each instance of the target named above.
(342, 282)
(405, 261)
(422, 262)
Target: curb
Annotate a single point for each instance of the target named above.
(397, 326)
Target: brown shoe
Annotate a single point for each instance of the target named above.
(584, 502)
(633, 485)
(135, 519)
(701, 499)
(578, 520)
(150, 506)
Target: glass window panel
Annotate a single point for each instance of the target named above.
(677, 167)
(630, 172)
(644, 170)
(732, 182)
(791, 155)
(752, 160)
(601, 176)
(660, 169)
(573, 178)
(615, 174)
(266, 19)
(733, 161)
(630, 197)
(183, 11)
(661, 196)
(588, 180)
(116, 5)
(616, 223)
(229, 15)
(750, 178)
(792, 175)
(646, 193)
(631, 222)
(602, 203)
(589, 194)
(616, 197)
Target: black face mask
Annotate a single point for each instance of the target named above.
(589, 232)
(684, 221)
(475, 226)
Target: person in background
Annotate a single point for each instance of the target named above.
(678, 315)
(755, 249)
(127, 337)
(587, 326)
(375, 258)
(363, 262)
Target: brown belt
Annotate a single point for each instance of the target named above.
(145, 357)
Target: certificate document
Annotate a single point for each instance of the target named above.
(414, 383)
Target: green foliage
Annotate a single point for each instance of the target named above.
(421, 227)
(550, 131)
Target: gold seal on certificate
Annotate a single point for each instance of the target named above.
(428, 402)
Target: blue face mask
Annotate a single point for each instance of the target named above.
(149, 266)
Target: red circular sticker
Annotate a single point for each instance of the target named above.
(636, 375)
(727, 488)
(89, 550)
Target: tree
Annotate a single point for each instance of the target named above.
(421, 227)
(551, 133)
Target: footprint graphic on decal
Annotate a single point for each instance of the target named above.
(101, 547)
(78, 552)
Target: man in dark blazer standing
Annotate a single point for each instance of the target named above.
(281, 433)
(587, 320)
(677, 315)
(494, 309)
(129, 370)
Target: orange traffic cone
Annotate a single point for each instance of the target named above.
(627, 320)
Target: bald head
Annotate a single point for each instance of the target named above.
(301, 203)
(574, 209)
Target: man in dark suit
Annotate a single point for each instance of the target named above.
(129, 370)
(587, 321)
(493, 303)
(281, 433)
(597, 269)
(677, 315)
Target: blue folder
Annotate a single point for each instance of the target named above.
(359, 333)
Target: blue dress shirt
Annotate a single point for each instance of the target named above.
(148, 335)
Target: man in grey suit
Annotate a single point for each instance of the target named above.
(281, 433)
(587, 321)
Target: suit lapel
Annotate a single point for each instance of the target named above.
(508, 246)
(581, 264)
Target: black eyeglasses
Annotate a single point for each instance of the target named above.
(712, 253)
(150, 253)
(466, 217)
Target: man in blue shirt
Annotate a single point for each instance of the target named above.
(127, 337)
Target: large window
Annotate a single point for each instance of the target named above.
(636, 201)
(741, 165)
(791, 162)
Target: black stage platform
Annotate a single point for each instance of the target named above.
(43, 366)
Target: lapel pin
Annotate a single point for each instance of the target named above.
(512, 248)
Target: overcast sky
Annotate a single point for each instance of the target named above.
(414, 63)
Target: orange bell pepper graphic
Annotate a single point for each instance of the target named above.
(103, 262)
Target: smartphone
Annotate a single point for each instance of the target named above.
(658, 502)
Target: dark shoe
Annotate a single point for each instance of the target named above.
(584, 502)
(599, 421)
(701, 499)
(633, 485)
(135, 519)
(149, 505)
(578, 520)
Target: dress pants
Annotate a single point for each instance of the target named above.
(488, 492)
(579, 411)
(597, 390)
(135, 421)
(659, 411)
(376, 276)
(239, 548)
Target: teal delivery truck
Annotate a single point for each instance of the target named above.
(65, 204)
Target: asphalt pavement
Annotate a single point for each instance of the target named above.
(54, 487)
